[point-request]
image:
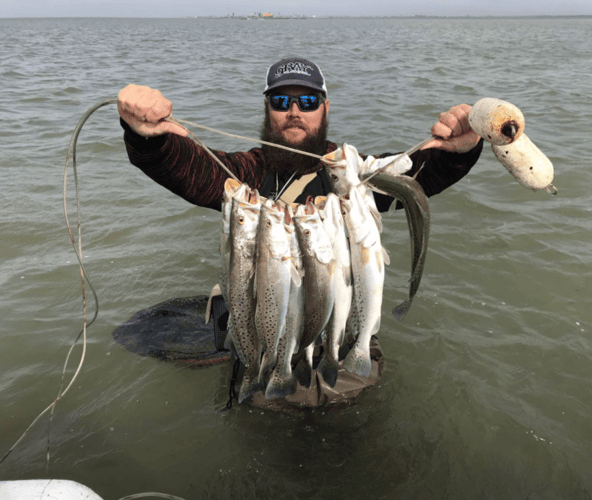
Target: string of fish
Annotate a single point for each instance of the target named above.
(77, 245)
(295, 274)
(276, 256)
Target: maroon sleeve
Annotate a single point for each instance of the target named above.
(186, 169)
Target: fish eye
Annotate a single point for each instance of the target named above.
(268, 223)
(307, 232)
(334, 177)
(241, 220)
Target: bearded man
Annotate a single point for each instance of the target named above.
(296, 115)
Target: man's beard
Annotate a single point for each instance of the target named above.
(287, 162)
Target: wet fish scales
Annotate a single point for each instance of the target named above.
(283, 382)
(415, 202)
(335, 227)
(272, 283)
(319, 267)
(241, 299)
(368, 260)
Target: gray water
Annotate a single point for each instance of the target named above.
(487, 389)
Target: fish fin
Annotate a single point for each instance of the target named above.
(253, 278)
(319, 340)
(358, 360)
(329, 368)
(402, 309)
(295, 274)
(377, 218)
(268, 363)
(347, 275)
(385, 256)
(280, 387)
(341, 337)
(249, 386)
(324, 255)
(370, 239)
(303, 372)
(376, 327)
(227, 247)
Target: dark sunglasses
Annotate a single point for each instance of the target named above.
(305, 102)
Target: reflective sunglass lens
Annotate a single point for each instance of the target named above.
(280, 102)
(308, 102)
(305, 102)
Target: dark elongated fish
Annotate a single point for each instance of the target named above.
(415, 202)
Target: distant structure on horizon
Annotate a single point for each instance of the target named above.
(259, 15)
(268, 15)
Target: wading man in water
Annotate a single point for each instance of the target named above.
(296, 115)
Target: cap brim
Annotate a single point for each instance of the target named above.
(299, 83)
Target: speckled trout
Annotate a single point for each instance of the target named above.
(368, 259)
(273, 277)
(229, 192)
(282, 382)
(330, 211)
(319, 267)
(244, 219)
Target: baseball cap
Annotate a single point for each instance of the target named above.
(295, 71)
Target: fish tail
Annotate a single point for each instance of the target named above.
(280, 385)
(401, 310)
(249, 386)
(358, 360)
(268, 363)
(328, 368)
(303, 372)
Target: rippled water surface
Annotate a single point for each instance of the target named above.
(488, 380)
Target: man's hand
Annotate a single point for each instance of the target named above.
(452, 131)
(144, 109)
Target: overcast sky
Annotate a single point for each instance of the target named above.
(181, 8)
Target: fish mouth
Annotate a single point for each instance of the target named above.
(320, 202)
(241, 192)
(231, 185)
(252, 197)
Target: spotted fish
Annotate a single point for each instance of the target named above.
(274, 274)
(330, 211)
(242, 239)
(368, 259)
(282, 382)
(319, 266)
